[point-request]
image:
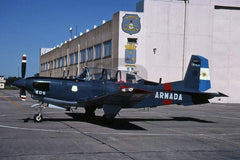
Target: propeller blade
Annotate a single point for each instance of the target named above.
(23, 94)
(24, 63)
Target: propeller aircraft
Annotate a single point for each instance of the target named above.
(113, 90)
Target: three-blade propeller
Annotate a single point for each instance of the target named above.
(22, 90)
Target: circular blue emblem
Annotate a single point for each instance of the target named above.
(131, 24)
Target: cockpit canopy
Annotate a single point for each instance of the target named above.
(108, 74)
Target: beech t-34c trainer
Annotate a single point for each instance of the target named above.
(113, 90)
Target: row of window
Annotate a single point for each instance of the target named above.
(97, 50)
(73, 57)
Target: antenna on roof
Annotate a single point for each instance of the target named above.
(76, 30)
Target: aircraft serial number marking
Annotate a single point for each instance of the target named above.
(38, 92)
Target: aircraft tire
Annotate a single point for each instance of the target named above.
(89, 116)
(38, 118)
(89, 113)
(107, 120)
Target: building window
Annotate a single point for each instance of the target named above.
(66, 60)
(62, 61)
(132, 40)
(55, 63)
(59, 62)
(43, 67)
(107, 48)
(51, 65)
(48, 65)
(98, 51)
(76, 57)
(71, 59)
(90, 54)
(83, 55)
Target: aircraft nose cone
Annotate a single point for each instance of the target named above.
(20, 83)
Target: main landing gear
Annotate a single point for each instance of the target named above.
(90, 112)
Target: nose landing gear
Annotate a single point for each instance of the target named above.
(38, 117)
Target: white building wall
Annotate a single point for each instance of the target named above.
(215, 34)
(225, 53)
(164, 29)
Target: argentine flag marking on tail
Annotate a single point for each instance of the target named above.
(204, 74)
(204, 78)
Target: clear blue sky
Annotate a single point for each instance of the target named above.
(28, 25)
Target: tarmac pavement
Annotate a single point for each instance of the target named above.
(200, 132)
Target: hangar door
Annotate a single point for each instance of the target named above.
(225, 60)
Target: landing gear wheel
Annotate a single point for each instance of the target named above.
(89, 113)
(107, 120)
(38, 117)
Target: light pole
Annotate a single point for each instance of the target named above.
(184, 35)
(70, 30)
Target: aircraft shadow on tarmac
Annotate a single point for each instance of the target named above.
(121, 123)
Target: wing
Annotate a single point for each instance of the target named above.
(127, 97)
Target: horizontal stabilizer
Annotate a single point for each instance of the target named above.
(221, 95)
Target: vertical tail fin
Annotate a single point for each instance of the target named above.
(197, 76)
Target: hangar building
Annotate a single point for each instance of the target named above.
(157, 41)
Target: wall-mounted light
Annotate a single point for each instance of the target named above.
(154, 50)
